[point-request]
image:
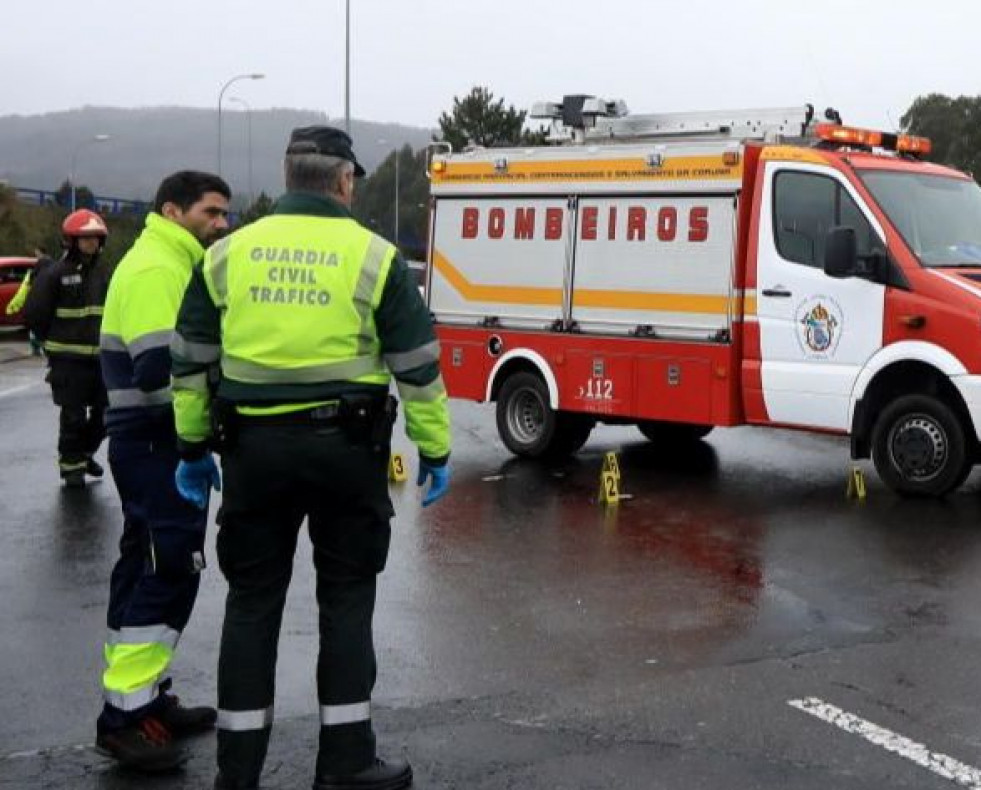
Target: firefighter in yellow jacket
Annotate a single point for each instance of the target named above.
(302, 318)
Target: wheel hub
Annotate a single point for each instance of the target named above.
(918, 446)
(526, 417)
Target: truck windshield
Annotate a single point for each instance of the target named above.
(938, 216)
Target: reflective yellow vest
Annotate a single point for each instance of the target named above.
(303, 312)
(296, 297)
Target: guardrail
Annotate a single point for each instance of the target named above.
(104, 205)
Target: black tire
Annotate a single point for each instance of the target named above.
(919, 447)
(529, 427)
(673, 433)
(571, 433)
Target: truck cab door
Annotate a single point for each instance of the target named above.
(816, 332)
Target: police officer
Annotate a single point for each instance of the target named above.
(307, 314)
(161, 553)
(63, 309)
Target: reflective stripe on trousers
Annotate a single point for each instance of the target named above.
(334, 715)
(136, 398)
(133, 700)
(144, 634)
(136, 659)
(245, 720)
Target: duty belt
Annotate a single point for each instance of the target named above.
(364, 419)
(327, 414)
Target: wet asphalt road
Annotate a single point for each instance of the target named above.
(530, 638)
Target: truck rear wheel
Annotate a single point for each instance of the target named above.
(673, 433)
(919, 447)
(571, 433)
(529, 427)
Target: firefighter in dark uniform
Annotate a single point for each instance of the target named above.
(303, 317)
(63, 310)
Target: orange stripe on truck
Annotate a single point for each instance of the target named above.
(666, 303)
(586, 298)
(503, 294)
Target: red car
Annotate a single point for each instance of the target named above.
(12, 274)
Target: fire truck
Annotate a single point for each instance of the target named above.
(679, 272)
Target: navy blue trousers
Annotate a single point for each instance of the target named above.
(155, 581)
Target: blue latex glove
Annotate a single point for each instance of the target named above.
(440, 476)
(195, 479)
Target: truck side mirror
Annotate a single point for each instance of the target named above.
(840, 253)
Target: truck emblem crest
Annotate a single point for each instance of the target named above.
(819, 322)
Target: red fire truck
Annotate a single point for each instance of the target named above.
(680, 272)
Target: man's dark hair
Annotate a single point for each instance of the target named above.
(187, 187)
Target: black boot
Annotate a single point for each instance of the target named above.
(145, 746)
(382, 775)
(221, 784)
(182, 721)
(93, 468)
(74, 478)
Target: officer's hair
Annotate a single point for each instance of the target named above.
(316, 173)
(187, 187)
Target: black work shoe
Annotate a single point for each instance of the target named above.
(74, 479)
(221, 784)
(382, 775)
(183, 721)
(145, 746)
(93, 468)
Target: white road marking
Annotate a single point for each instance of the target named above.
(942, 765)
(15, 390)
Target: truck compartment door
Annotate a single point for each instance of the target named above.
(654, 265)
(500, 259)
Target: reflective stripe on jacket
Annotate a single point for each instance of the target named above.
(64, 306)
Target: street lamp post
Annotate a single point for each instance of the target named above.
(221, 94)
(396, 197)
(248, 115)
(98, 138)
(347, 66)
(396, 237)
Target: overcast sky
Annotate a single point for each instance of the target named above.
(869, 59)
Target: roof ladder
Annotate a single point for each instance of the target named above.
(583, 119)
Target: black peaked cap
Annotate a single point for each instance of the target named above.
(324, 140)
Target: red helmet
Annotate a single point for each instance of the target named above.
(84, 223)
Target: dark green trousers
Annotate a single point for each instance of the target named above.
(274, 477)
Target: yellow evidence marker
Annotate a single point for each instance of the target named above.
(611, 464)
(609, 493)
(396, 469)
(856, 484)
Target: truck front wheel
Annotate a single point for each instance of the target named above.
(529, 427)
(919, 447)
